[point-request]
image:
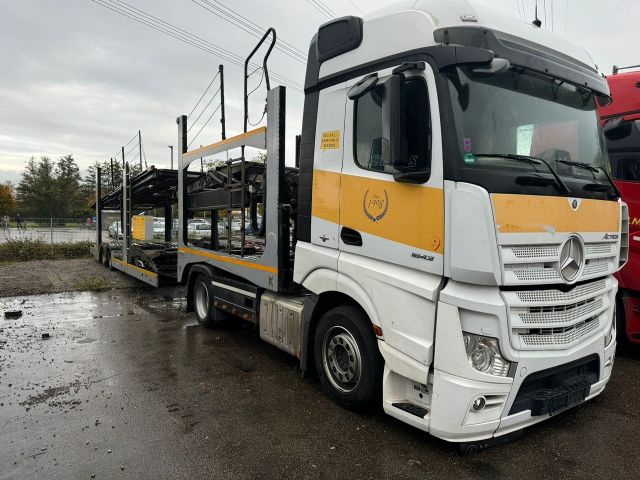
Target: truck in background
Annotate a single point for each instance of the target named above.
(446, 243)
(621, 119)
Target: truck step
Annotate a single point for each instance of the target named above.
(411, 408)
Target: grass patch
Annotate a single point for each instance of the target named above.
(25, 250)
(92, 285)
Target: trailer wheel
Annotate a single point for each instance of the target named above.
(107, 259)
(202, 301)
(347, 358)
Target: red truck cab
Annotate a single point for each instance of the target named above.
(621, 120)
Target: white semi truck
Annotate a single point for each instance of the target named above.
(447, 241)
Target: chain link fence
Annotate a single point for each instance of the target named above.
(47, 230)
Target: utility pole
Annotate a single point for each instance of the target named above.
(222, 119)
(123, 158)
(112, 186)
(140, 148)
(171, 147)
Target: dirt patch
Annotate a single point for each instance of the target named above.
(55, 276)
(49, 393)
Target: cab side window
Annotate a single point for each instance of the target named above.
(369, 142)
(368, 131)
(417, 125)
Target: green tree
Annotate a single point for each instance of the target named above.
(109, 183)
(68, 195)
(36, 190)
(50, 189)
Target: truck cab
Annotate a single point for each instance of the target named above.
(621, 119)
(450, 244)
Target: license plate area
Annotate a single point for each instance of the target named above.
(554, 390)
(564, 401)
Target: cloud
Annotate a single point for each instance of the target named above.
(78, 78)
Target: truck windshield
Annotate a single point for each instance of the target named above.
(524, 114)
(624, 153)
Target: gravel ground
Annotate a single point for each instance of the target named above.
(127, 385)
(54, 276)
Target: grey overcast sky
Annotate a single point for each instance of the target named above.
(78, 78)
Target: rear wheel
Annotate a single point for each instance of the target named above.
(202, 296)
(107, 259)
(347, 358)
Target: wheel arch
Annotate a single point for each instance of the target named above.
(347, 292)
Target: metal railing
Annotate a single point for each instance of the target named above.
(48, 230)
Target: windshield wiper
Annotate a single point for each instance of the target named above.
(593, 169)
(586, 166)
(530, 160)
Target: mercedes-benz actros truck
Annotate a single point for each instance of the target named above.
(446, 243)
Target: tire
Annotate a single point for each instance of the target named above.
(107, 260)
(202, 296)
(347, 358)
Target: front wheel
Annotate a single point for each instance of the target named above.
(347, 358)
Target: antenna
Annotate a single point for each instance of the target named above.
(537, 22)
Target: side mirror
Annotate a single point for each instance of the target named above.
(392, 119)
(617, 129)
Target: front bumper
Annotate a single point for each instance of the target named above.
(456, 384)
(454, 419)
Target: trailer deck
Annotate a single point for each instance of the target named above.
(153, 262)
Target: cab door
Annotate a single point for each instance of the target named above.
(328, 154)
(392, 209)
(394, 212)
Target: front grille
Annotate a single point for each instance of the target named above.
(594, 267)
(553, 319)
(599, 248)
(536, 251)
(536, 273)
(538, 264)
(561, 313)
(553, 295)
(559, 336)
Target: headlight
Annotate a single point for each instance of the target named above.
(483, 354)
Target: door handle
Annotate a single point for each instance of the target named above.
(351, 237)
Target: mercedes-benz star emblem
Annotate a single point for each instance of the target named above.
(571, 259)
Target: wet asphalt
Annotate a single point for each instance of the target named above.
(129, 386)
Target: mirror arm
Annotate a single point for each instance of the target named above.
(412, 177)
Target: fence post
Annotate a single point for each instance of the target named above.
(51, 221)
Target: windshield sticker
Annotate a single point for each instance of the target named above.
(467, 145)
(469, 158)
(330, 140)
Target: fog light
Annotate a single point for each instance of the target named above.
(479, 403)
(483, 354)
